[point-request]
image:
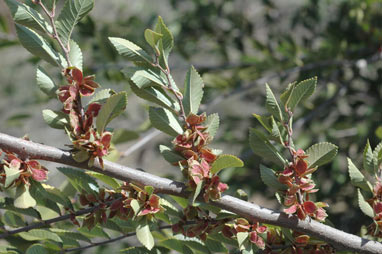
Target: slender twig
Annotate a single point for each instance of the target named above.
(44, 223)
(337, 238)
(141, 142)
(55, 35)
(107, 241)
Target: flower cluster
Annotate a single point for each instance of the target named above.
(242, 225)
(375, 229)
(202, 224)
(89, 143)
(299, 186)
(136, 201)
(192, 145)
(14, 171)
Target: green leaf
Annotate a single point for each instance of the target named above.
(263, 148)
(104, 178)
(23, 198)
(114, 106)
(265, 121)
(165, 121)
(149, 190)
(286, 94)
(181, 201)
(80, 180)
(368, 163)
(71, 14)
(193, 91)
(37, 249)
(11, 174)
(12, 219)
(144, 236)
(75, 55)
(212, 124)
(135, 205)
(301, 92)
(215, 246)
(275, 132)
(27, 16)
(175, 244)
(144, 77)
(81, 155)
(226, 161)
(377, 155)
(101, 96)
(56, 195)
(55, 119)
(37, 45)
(197, 191)
(152, 37)
(320, 154)
(272, 105)
(130, 50)
(140, 250)
(357, 178)
(269, 178)
(241, 237)
(45, 83)
(169, 155)
(155, 95)
(364, 206)
(40, 234)
(8, 204)
(97, 231)
(167, 42)
(39, 193)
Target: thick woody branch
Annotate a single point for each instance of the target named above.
(339, 239)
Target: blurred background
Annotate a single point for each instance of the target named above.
(237, 46)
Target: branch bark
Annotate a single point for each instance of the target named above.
(339, 239)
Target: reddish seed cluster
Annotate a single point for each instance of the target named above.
(295, 177)
(99, 214)
(202, 223)
(276, 244)
(375, 229)
(28, 169)
(148, 204)
(242, 225)
(198, 158)
(83, 134)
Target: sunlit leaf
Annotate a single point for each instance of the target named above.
(45, 83)
(23, 198)
(169, 155)
(368, 163)
(320, 154)
(165, 121)
(40, 234)
(130, 50)
(301, 92)
(272, 105)
(75, 55)
(225, 161)
(364, 206)
(55, 119)
(144, 236)
(71, 14)
(113, 107)
(357, 178)
(193, 91)
(212, 124)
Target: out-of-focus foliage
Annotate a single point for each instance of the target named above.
(237, 46)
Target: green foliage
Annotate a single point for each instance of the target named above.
(144, 77)
(38, 46)
(71, 14)
(269, 178)
(320, 154)
(165, 121)
(80, 180)
(45, 83)
(193, 92)
(272, 105)
(357, 178)
(368, 158)
(75, 55)
(55, 119)
(131, 51)
(113, 107)
(262, 147)
(225, 161)
(299, 92)
(212, 124)
(27, 16)
(23, 198)
(169, 155)
(144, 235)
(364, 206)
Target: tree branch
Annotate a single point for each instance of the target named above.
(44, 223)
(338, 238)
